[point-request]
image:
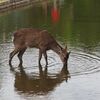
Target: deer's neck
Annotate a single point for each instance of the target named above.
(56, 48)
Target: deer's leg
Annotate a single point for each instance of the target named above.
(40, 56)
(12, 54)
(45, 56)
(20, 54)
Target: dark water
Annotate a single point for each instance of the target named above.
(77, 25)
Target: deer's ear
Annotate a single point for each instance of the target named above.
(69, 53)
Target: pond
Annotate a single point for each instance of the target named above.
(72, 23)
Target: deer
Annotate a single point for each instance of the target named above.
(36, 38)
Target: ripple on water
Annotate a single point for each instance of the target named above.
(82, 63)
(79, 62)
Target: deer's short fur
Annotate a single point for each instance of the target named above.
(40, 39)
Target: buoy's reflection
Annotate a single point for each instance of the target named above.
(41, 84)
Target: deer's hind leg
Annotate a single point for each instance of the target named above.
(20, 54)
(12, 54)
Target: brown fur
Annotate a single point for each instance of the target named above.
(37, 38)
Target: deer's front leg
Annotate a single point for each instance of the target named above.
(45, 56)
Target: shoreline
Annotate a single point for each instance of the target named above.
(5, 6)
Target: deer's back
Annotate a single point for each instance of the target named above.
(34, 38)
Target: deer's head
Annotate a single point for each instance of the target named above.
(64, 55)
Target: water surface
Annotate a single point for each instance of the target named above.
(77, 25)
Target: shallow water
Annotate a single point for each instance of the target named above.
(79, 80)
(79, 29)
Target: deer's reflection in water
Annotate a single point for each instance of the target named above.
(41, 83)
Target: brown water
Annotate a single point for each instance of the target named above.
(78, 27)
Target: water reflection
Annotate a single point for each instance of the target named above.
(78, 25)
(41, 83)
(55, 12)
(36, 16)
